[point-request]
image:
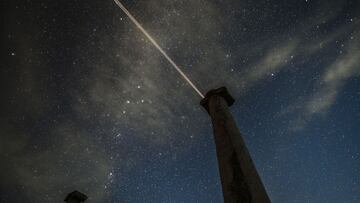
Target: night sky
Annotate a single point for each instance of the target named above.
(87, 102)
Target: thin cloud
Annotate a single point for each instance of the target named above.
(333, 79)
(44, 173)
(273, 62)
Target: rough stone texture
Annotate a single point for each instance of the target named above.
(239, 178)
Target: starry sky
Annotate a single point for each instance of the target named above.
(87, 102)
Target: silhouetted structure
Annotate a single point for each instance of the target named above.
(75, 197)
(239, 178)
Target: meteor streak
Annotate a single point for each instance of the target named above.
(157, 46)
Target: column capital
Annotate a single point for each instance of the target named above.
(221, 91)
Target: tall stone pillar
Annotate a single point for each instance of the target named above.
(239, 178)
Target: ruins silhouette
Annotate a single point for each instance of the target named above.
(75, 197)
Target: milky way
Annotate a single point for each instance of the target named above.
(89, 104)
(159, 48)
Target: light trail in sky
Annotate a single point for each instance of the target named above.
(122, 7)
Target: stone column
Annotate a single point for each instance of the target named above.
(239, 178)
(75, 197)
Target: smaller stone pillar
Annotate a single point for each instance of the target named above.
(75, 197)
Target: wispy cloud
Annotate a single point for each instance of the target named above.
(274, 60)
(329, 85)
(335, 77)
(44, 173)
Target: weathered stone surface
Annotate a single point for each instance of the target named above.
(239, 178)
